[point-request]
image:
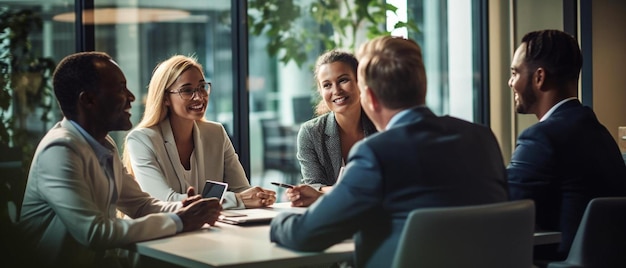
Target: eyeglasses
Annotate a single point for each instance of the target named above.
(189, 92)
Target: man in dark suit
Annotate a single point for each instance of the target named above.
(567, 158)
(417, 160)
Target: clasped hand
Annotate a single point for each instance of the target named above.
(197, 211)
(256, 197)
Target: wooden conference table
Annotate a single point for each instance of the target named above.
(225, 245)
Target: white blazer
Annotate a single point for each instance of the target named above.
(157, 168)
(67, 215)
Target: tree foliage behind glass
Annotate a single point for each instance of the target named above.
(280, 21)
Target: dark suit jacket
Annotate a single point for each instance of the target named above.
(423, 161)
(562, 163)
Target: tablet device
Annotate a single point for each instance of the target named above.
(214, 189)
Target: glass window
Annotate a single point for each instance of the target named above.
(139, 34)
(283, 94)
(35, 44)
(448, 30)
(30, 46)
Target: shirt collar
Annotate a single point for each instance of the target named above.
(396, 117)
(101, 151)
(547, 115)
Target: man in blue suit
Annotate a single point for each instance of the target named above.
(417, 160)
(567, 158)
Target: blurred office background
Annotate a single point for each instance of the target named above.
(262, 100)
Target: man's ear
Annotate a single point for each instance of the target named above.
(372, 100)
(539, 78)
(86, 99)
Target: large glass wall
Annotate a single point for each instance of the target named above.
(283, 95)
(141, 33)
(33, 43)
(201, 29)
(30, 45)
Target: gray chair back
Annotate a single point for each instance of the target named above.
(600, 240)
(494, 235)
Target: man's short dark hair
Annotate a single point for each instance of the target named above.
(556, 52)
(74, 74)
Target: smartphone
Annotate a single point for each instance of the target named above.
(214, 189)
(284, 185)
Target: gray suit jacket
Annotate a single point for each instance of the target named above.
(67, 215)
(423, 161)
(319, 149)
(158, 170)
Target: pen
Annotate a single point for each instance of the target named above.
(283, 185)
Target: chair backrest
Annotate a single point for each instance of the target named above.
(600, 240)
(279, 149)
(493, 235)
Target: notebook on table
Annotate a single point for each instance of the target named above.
(256, 215)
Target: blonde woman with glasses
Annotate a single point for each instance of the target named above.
(174, 147)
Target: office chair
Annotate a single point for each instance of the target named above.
(279, 150)
(600, 240)
(494, 235)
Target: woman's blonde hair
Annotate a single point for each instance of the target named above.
(163, 77)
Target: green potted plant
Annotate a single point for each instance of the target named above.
(25, 84)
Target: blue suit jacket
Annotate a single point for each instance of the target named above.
(424, 161)
(562, 163)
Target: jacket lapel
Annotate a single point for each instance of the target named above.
(332, 142)
(170, 148)
(199, 151)
(101, 178)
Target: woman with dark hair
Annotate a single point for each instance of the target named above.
(324, 141)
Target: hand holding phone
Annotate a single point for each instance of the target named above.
(214, 189)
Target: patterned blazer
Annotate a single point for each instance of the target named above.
(319, 149)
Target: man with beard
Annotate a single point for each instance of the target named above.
(569, 157)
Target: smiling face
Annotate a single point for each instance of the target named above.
(112, 108)
(521, 83)
(337, 85)
(194, 108)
